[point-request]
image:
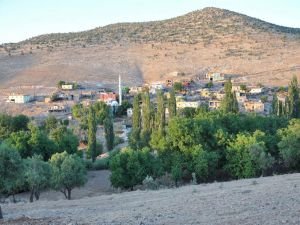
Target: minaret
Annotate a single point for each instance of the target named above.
(120, 91)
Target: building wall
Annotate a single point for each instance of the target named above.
(181, 105)
(19, 98)
(67, 86)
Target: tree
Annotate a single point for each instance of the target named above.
(102, 111)
(172, 104)
(60, 83)
(109, 132)
(160, 118)
(11, 171)
(289, 146)
(176, 168)
(136, 117)
(64, 139)
(20, 141)
(146, 114)
(158, 141)
(122, 109)
(247, 156)
(68, 172)
(92, 129)
(129, 167)
(146, 119)
(40, 144)
(178, 86)
(229, 102)
(275, 105)
(209, 84)
(294, 99)
(37, 175)
(50, 123)
(19, 122)
(81, 114)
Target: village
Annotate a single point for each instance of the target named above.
(190, 93)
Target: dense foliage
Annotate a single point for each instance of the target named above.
(209, 145)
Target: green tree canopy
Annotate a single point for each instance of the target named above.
(37, 175)
(68, 172)
(11, 171)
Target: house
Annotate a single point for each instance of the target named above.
(214, 104)
(212, 76)
(67, 87)
(256, 90)
(254, 106)
(87, 94)
(58, 108)
(20, 98)
(135, 90)
(107, 96)
(154, 87)
(189, 104)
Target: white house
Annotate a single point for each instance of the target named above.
(256, 90)
(19, 98)
(190, 104)
(67, 87)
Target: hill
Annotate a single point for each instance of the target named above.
(211, 39)
(269, 200)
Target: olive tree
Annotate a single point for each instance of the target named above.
(37, 175)
(68, 172)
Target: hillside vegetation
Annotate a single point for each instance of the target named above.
(208, 39)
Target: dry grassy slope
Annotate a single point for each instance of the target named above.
(266, 200)
(210, 39)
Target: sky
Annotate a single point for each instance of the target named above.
(22, 19)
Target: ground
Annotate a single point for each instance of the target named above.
(269, 200)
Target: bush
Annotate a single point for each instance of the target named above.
(129, 167)
(101, 164)
(165, 180)
(150, 184)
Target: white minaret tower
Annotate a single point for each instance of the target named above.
(120, 91)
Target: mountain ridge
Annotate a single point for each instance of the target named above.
(205, 12)
(211, 39)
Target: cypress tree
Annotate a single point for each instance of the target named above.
(275, 105)
(109, 132)
(146, 112)
(147, 119)
(172, 104)
(160, 114)
(229, 102)
(294, 103)
(134, 137)
(136, 117)
(92, 129)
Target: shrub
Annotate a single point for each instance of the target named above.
(150, 184)
(101, 164)
(129, 167)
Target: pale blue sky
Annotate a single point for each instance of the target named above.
(22, 19)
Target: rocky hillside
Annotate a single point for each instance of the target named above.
(208, 39)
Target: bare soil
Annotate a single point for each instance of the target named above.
(269, 200)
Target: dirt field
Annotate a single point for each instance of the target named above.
(271, 200)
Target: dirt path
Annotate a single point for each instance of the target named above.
(271, 200)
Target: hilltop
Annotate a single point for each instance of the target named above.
(268, 200)
(211, 39)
